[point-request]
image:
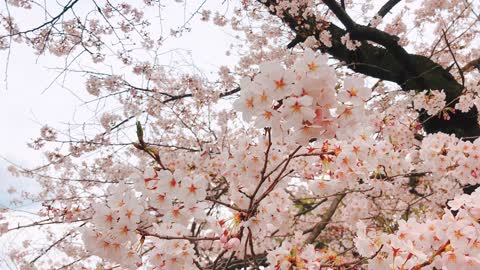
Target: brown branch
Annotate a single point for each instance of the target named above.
(167, 237)
(353, 264)
(454, 58)
(275, 181)
(48, 221)
(224, 94)
(252, 251)
(311, 208)
(327, 216)
(234, 264)
(430, 261)
(217, 260)
(67, 266)
(472, 65)
(263, 178)
(53, 245)
(225, 204)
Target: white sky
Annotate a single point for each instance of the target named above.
(23, 109)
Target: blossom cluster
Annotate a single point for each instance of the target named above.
(295, 254)
(470, 97)
(303, 100)
(432, 101)
(451, 241)
(447, 156)
(114, 235)
(120, 223)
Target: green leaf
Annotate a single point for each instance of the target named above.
(140, 132)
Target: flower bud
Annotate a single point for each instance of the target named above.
(233, 243)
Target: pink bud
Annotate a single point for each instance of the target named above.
(475, 212)
(233, 243)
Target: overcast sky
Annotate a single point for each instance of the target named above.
(23, 109)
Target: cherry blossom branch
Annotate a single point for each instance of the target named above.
(245, 249)
(263, 178)
(44, 222)
(311, 208)
(335, 194)
(51, 22)
(224, 94)
(450, 25)
(167, 237)
(409, 206)
(341, 14)
(66, 266)
(353, 264)
(230, 260)
(439, 251)
(326, 217)
(277, 179)
(92, 142)
(32, 262)
(215, 262)
(225, 204)
(260, 260)
(250, 236)
(283, 161)
(368, 33)
(322, 154)
(265, 162)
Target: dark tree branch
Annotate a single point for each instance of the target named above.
(361, 32)
(234, 264)
(340, 13)
(389, 62)
(387, 7)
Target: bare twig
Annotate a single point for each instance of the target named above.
(454, 58)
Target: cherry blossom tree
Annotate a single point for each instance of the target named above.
(342, 135)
